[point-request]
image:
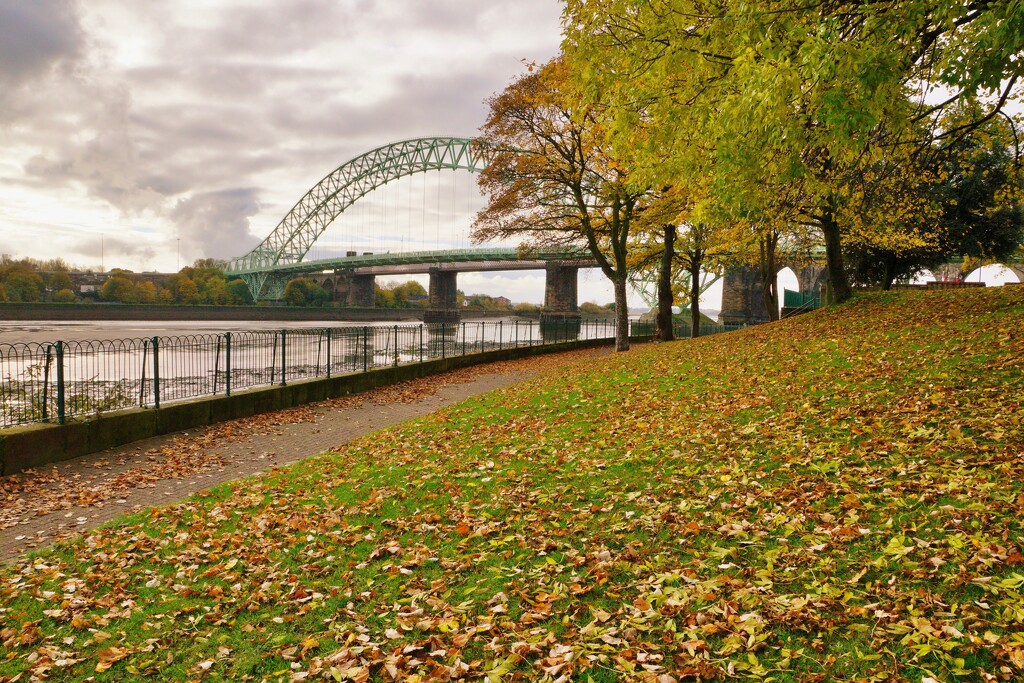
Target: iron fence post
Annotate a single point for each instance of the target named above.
(156, 372)
(284, 363)
(499, 335)
(328, 353)
(366, 341)
(227, 363)
(421, 342)
(463, 339)
(60, 382)
(396, 346)
(142, 382)
(46, 380)
(216, 365)
(444, 340)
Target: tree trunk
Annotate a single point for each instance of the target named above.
(664, 317)
(621, 313)
(695, 299)
(769, 275)
(888, 274)
(837, 280)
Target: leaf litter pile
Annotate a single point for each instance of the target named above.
(836, 497)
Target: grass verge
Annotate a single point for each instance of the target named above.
(834, 497)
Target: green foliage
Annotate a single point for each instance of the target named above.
(798, 107)
(21, 282)
(973, 188)
(58, 281)
(65, 296)
(528, 309)
(400, 295)
(118, 288)
(238, 293)
(304, 292)
(486, 302)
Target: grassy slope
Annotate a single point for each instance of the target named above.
(834, 497)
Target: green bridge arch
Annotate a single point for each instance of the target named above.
(295, 235)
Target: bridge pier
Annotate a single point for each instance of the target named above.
(360, 291)
(560, 318)
(442, 304)
(742, 301)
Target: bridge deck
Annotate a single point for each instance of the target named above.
(461, 260)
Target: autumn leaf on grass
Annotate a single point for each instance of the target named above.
(108, 657)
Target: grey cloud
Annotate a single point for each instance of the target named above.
(279, 28)
(216, 224)
(235, 105)
(101, 153)
(112, 250)
(35, 35)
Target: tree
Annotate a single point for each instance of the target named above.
(187, 292)
(400, 295)
(118, 288)
(65, 296)
(803, 98)
(21, 281)
(553, 179)
(59, 280)
(302, 291)
(968, 195)
(699, 248)
(238, 293)
(145, 292)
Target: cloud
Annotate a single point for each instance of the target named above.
(35, 36)
(216, 224)
(211, 118)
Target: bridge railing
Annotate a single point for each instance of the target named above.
(64, 380)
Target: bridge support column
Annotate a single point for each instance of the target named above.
(442, 304)
(811, 278)
(742, 302)
(561, 317)
(360, 291)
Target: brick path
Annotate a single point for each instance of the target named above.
(55, 502)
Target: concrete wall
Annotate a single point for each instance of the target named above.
(39, 444)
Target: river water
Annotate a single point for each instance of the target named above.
(13, 332)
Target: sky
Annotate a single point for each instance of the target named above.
(146, 135)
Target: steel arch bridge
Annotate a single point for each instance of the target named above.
(281, 253)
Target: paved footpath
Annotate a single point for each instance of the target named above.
(47, 504)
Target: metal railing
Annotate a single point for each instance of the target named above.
(61, 380)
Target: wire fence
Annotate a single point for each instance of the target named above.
(62, 380)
